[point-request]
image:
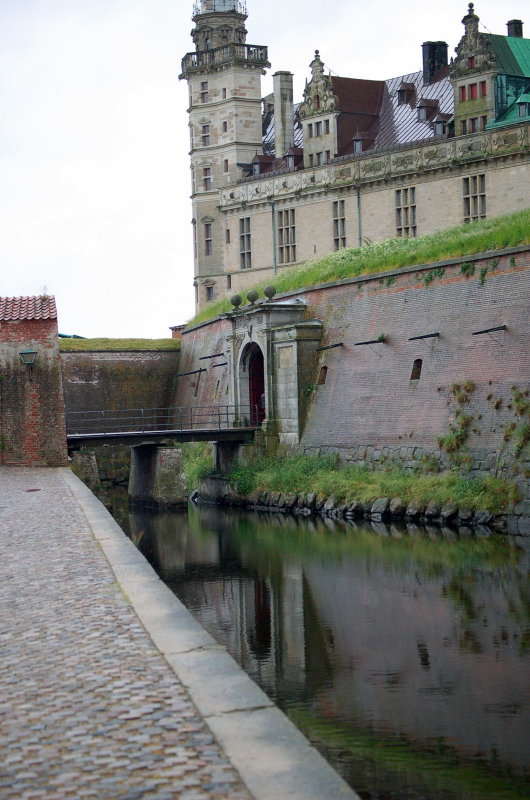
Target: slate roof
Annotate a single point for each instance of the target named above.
(26, 308)
(399, 121)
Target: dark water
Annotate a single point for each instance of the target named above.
(402, 653)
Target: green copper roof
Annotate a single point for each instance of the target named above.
(513, 54)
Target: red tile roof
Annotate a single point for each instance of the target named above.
(17, 308)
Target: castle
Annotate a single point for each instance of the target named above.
(275, 182)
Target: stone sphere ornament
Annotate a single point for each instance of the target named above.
(252, 296)
(236, 300)
(269, 292)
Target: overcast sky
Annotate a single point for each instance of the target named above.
(94, 175)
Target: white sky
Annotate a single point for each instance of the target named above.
(94, 174)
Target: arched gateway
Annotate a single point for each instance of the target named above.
(252, 381)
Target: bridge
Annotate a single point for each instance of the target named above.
(148, 426)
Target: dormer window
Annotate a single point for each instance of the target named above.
(439, 127)
(471, 62)
(401, 96)
(357, 145)
(422, 113)
(524, 107)
(255, 168)
(289, 159)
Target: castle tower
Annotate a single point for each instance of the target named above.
(224, 81)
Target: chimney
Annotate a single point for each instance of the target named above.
(434, 58)
(283, 112)
(515, 28)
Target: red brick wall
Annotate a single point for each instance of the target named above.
(32, 430)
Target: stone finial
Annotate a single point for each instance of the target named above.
(470, 21)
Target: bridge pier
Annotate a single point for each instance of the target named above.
(157, 476)
(225, 455)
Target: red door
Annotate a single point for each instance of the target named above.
(256, 378)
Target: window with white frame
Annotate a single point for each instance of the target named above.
(286, 236)
(474, 196)
(406, 212)
(339, 224)
(245, 255)
(208, 241)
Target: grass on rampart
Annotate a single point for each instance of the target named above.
(299, 473)
(87, 345)
(470, 239)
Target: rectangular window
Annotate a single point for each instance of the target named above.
(228, 281)
(357, 145)
(311, 159)
(205, 135)
(462, 93)
(339, 225)
(473, 94)
(463, 127)
(286, 236)
(483, 89)
(319, 159)
(326, 126)
(473, 125)
(204, 91)
(225, 165)
(483, 123)
(406, 212)
(318, 128)
(471, 62)
(474, 196)
(225, 126)
(328, 156)
(223, 93)
(207, 178)
(227, 235)
(310, 130)
(245, 257)
(209, 298)
(208, 244)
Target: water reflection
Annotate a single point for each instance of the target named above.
(402, 652)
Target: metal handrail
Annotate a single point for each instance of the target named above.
(171, 418)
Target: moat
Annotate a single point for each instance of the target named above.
(402, 653)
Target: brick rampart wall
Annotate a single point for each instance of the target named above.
(32, 431)
(369, 410)
(112, 380)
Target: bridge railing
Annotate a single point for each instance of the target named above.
(160, 420)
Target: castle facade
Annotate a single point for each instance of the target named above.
(275, 182)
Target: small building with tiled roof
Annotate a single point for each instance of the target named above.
(32, 423)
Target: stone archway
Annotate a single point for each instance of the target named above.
(252, 382)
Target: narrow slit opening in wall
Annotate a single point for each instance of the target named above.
(322, 376)
(416, 369)
(197, 382)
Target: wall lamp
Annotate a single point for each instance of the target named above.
(27, 358)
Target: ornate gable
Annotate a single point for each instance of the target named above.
(318, 93)
(474, 53)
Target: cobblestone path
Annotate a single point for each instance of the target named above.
(88, 707)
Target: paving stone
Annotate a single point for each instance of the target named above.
(91, 707)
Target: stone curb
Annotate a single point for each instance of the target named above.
(272, 757)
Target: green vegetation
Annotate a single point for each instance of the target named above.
(197, 461)
(80, 345)
(299, 473)
(399, 761)
(477, 237)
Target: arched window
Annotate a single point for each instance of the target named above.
(322, 376)
(416, 370)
